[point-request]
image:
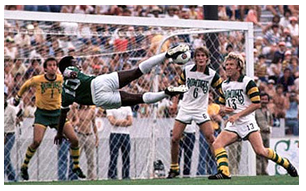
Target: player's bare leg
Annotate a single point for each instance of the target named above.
(69, 132)
(125, 77)
(177, 133)
(256, 142)
(38, 135)
(208, 132)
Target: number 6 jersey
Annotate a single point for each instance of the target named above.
(198, 83)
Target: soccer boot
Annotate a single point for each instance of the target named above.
(173, 173)
(172, 91)
(291, 170)
(219, 176)
(79, 172)
(176, 50)
(24, 173)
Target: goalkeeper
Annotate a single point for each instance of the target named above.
(103, 91)
(48, 101)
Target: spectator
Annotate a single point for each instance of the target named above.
(19, 67)
(275, 69)
(88, 137)
(294, 26)
(294, 66)
(286, 80)
(272, 38)
(10, 48)
(275, 21)
(9, 138)
(264, 120)
(284, 21)
(171, 12)
(120, 119)
(280, 102)
(292, 114)
(275, 9)
(270, 88)
(261, 68)
(253, 16)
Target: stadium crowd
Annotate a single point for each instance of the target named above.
(276, 51)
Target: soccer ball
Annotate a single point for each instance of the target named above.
(182, 58)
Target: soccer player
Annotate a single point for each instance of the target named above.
(240, 95)
(199, 78)
(48, 102)
(103, 91)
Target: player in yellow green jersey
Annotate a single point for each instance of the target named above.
(48, 89)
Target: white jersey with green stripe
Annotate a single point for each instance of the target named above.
(199, 84)
(239, 95)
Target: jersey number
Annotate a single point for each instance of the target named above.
(71, 85)
(250, 126)
(231, 103)
(195, 92)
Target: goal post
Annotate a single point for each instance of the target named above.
(150, 132)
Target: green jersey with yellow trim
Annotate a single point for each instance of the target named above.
(76, 89)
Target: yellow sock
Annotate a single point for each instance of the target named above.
(29, 154)
(75, 153)
(277, 159)
(174, 166)
(222, 161)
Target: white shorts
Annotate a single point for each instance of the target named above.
(188, 116)
(105, 93)
(242, 130)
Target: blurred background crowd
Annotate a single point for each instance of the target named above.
(276, 48)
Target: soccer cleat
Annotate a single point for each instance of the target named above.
(172, 91)
(291, 170)
(219, 176)
(173, 173)
(175, 51)
(79, 172)
(24, 173)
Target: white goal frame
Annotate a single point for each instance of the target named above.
(209, 26)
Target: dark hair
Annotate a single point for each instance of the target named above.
(49, 59)
(64, 63)
(265, 94)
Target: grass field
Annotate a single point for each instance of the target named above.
(241, 180)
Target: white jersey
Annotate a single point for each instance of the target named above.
(198, 83)
(239, 95)
(120, 113)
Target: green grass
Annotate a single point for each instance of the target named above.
(241, 180)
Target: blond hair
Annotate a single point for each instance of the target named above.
(236, 56)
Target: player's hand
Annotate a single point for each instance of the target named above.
(228, 110)
(58, 139)
(233, 118)
(16, 100)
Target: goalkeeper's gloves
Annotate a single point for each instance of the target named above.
(16, 100)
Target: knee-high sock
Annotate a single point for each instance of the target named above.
(29, 154)
(75, 153)
(152, 97)
(148, 64)
(277, 159)
(175, 167)
(222, 161)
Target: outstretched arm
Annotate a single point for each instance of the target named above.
(59, 136)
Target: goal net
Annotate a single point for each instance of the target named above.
(103, 44)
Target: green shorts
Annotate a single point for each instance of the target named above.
(47, 117)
